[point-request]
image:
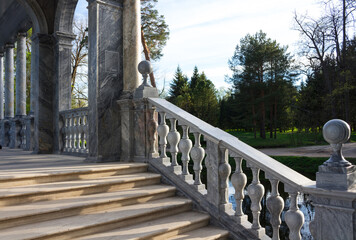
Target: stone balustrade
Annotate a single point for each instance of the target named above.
(219, 146)
(75, 131)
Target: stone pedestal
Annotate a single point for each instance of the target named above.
(5, 132)
(105, 79)
(334, 201)
(15, 128)
(21, 75)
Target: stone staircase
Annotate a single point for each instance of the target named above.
(102, 201)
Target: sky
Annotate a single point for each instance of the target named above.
(204, 33)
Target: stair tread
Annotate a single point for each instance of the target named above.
(74, 184)
(206, 233)
(56, 226)
(17, 211)
(152, 228)
(19, 173)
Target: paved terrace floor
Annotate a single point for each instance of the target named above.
(19, 163)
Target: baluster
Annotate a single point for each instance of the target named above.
(197, 154)
(162, 133)
(23, 134)
(77, 132)
(65, 133)
(275, 205)
(71, 132)
(173, 139)
(224, 173)
(294, 217)
(81, 132)
(238, 181)
(152, 133)
(185, 145)
(256, 191)
(86, 130)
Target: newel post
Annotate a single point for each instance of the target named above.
(335, 215)
(138, 122)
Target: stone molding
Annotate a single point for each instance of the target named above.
(64, 39)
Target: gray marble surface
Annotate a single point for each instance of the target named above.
(105, 79)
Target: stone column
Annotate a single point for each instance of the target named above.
(9, 81)
(62, 94)
(105, 78)
(43, 93)
(34, 73)
(132, 43)
(1, 86)
(21, 75)
(2, 132)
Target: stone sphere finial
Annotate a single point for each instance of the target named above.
(145, 68)
(336, 132)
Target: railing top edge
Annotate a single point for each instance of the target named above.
(74, 110)
(259, 159)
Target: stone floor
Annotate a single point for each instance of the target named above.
(19, 163)
(349, 151)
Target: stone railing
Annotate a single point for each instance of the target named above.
(75, 131)
(331, 201)
(17, 132)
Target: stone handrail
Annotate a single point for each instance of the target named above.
(219, 146)
(75, 131)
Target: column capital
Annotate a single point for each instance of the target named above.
(1, 54)
(111, 3)
(22, 34)
(42, 38)
(64, 39)
(9, 45)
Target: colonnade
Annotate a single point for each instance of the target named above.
(13, 117)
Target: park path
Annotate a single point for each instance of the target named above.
(349, 151)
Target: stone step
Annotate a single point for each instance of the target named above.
(60, 190)
(91, 223)
(29, 176)
(11, 216)
(162, 228)
(205, 233)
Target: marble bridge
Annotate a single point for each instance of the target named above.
(103, 172)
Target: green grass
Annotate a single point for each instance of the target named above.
(307, 166)
(285, 139)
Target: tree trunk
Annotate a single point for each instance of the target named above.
(275, 118)
(147, 56)
(263, 116)
(271, 121)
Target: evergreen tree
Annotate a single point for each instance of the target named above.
(262, 78)
(179, 91)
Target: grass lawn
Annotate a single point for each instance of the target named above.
(285, 139)
(307, 166)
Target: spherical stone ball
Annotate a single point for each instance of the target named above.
(336, 131)
(145, 67)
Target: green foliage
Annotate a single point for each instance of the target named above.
(198, 96)
(263, 76)
(155, 29)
